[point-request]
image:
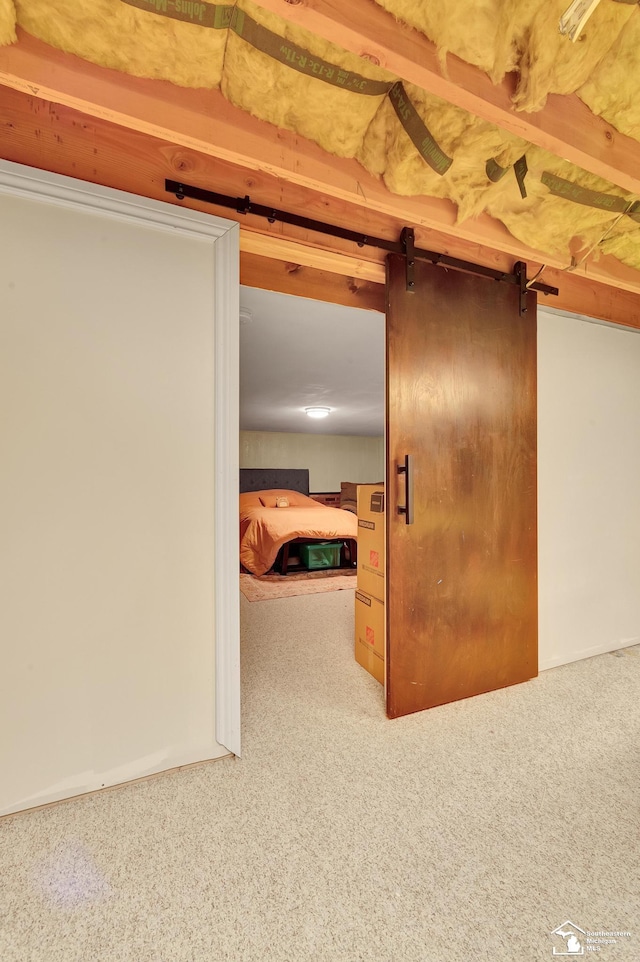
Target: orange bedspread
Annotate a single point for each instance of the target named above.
(263, 531)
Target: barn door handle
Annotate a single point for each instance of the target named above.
(407, 470)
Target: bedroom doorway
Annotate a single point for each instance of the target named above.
(296, 353)
(472, 402)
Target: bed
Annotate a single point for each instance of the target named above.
(267, 531)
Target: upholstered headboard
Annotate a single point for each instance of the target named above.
(263, 479)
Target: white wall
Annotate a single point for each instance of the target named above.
(331, 458)
(589, 488)
(107, 577)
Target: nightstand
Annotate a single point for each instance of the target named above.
(329, 498)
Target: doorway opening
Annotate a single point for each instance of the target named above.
(298, 353)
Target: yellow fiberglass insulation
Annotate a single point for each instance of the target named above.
(113, 34)
(7, 22)
(550, 62)
(612, 89)
(334, 117)
(294, 80)
(623, 240)
(626, 247)
(523, 35)
(466, 28)
(388, 151)
(552, 223)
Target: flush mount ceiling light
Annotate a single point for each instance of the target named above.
(317, 412)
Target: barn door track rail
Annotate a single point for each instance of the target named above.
(405, 246)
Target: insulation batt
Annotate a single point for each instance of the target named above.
(612, 89)
(7, 22)
(503, 35)
(549, 62)
(387, 151)
(467, 28)
(493, 34)
(334, 118)
(551, 223)
(113, 34)
(625, 247)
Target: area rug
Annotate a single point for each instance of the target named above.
(270, 586)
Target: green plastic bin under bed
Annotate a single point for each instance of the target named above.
(326, 554)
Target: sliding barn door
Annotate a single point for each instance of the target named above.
(461, 404)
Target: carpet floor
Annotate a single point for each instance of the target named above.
(468, 832)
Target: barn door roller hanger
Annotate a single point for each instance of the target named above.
(405, 246)
(519, 276)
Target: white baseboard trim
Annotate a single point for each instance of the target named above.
(569, 657)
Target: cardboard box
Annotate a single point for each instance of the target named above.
(370, 634)
(371, 544)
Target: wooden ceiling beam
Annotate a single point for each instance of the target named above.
(565, 127)
(57, 138)
(267, 244)
(202, 120)
(288, 277)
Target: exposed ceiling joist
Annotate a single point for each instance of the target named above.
(57, 138)
(204, 121)
(286, 249)
(566, 127)
(286, 277)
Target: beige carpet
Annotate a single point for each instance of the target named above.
(270, 586)
(469, 832)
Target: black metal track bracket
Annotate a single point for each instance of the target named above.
(408, 241)
(520, 271)
(405, 246)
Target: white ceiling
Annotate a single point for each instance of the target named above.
(296, 352)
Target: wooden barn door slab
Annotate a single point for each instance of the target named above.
(461, 402)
